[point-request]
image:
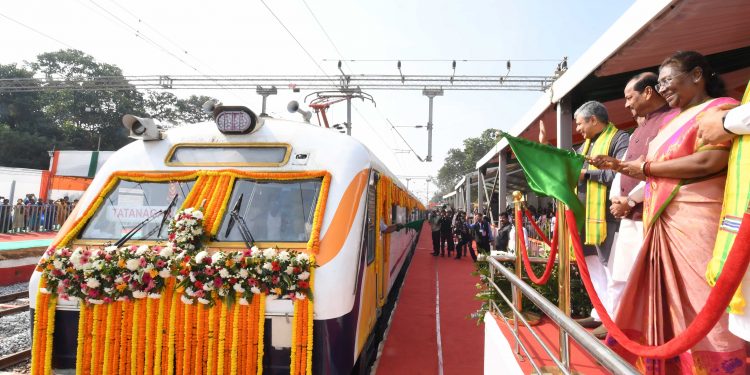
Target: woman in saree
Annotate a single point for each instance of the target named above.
(684, 191)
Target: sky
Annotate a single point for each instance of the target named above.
(257, 37)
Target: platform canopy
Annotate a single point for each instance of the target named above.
(639, 41)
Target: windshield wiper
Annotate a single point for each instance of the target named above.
(235, 216)
(131, 233)
(166, 214)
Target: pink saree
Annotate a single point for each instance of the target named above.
(667, 286)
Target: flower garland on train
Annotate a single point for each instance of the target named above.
(112, 281)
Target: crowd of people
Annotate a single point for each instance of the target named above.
(30, 214)
(653, 203)
(454, 231)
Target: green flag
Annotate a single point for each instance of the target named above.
(550, 171)
(416, 225)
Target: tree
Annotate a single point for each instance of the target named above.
(89, 119)
(167, 107)
(460, 162)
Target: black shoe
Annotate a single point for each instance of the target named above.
(457, 258)
(588, 322)
(435, 254)
(442, 255)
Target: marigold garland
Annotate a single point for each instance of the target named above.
(107, 339)
(261, 318)
(223, 202)
(50, 330)
(35, 344)
(222, 337)
(166, 345)
(137, 318)
(211, 340)
(81, 335)
(148, 341)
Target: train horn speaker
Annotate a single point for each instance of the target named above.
(142, 128)
(293, 107)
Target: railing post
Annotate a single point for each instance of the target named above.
(517, 199)
(563, 279)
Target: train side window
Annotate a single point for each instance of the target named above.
(373, 223)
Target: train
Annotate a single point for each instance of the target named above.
(288, 184)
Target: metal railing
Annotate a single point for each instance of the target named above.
(32, 217)
(568, 327)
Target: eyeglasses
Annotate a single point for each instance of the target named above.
(666, 82)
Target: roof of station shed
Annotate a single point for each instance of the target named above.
(644, 35)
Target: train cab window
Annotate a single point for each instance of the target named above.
(231, 154)
(130, 203)
(274, 211)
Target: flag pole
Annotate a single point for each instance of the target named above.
(563, 278)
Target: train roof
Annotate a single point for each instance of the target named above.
(324, 149)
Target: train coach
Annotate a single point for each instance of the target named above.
(243, 245)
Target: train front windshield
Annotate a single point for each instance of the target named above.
(274, 211)
(130, 203)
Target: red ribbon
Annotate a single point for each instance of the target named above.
(526, 262)
(718, 299)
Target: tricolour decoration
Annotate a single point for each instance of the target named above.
(175, 309)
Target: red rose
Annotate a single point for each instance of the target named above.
(275, 266)
(198, 284)
(302, 284)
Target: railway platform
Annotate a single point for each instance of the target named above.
(19, 254)
(432, 331)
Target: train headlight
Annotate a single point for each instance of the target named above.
(235, 119)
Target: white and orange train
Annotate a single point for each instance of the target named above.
(279, 168)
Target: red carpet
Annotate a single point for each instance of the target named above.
(411, 346)
(580, 361)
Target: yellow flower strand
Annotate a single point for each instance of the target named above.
(235, 339)
(108, 338)
(199, 336)
(134, 337)
(147, 364)
(37, 329)
(295, 321)
(223, 205)
(50, 333)
(159, 334)
(222, 337)
(95, 338)
(211, 340)
(261, 327)
(81, 335)
(313, 245)
(310, 317)
(171, 340)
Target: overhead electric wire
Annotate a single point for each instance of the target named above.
(37, 31)
(165, 37)
(294, 37)
(318, 65)
(148, 39)
(447, 60)
(341, 58)
(330, 40)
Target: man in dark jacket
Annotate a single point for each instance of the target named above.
(503, 233)
(446, 233)
(481, 230)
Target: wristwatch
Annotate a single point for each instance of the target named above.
(631, 203)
